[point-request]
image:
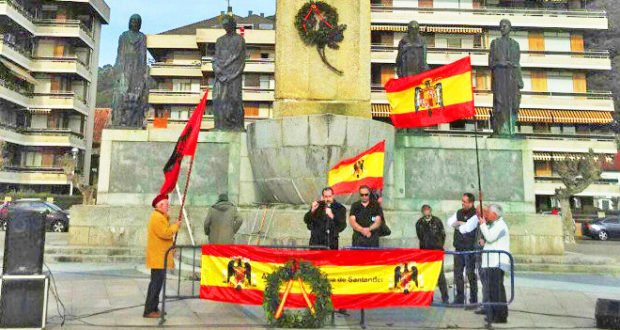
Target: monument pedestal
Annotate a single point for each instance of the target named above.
(291, 156)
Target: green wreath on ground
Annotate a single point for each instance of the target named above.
(317, 24)
(294, 271)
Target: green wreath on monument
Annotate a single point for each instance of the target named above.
(317, 24)
(306, 274)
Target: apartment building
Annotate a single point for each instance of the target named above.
(560, 115)
(49, 54)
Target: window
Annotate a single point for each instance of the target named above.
(264, 56)
(613, 220)
(252, 80)
(454, 43)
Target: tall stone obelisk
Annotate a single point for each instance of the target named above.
(304, 84)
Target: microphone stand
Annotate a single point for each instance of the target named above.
(329, 246)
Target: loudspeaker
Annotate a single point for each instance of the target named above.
(607, 314)
(24, 243)
(23, 302)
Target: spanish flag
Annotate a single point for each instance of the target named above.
(363, 169)
(437, 96)
(359, 278)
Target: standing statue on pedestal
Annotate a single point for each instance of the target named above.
(506, 81)
(228, 65)
(411, 58)
(130, 100)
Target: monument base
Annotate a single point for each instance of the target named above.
(289, 108)
(127, 226)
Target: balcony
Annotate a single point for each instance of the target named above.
(251, 65)
(596, 101)
(71, 65)
(18, 14)
(176, 70)
(604, 188)
(252, 37)
(15, 53)
(60, 100)
(490, 17)
(42, 137)
(14, 94)
(590, 60)
(33, 175)
(99, 6)
(159, 96)
(65, 29)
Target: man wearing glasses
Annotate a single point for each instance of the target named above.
(365, 219)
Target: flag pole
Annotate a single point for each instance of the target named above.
(477, 150)
(182, 211)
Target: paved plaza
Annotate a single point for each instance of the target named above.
(115, 294)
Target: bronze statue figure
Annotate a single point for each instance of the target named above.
(130, 99)
(506, 81)
(411, 58)
(228, 65)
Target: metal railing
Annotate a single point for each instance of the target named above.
(19, 8)
(194, 277)
(500, 11)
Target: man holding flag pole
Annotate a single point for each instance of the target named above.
(161, 234)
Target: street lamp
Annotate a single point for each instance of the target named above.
(74, 153)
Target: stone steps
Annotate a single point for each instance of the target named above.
(567, 263)
(92, 254)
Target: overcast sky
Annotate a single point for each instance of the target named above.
(162, 15)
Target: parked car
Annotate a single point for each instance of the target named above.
(4, 215)
(603, 229)
(56, 219)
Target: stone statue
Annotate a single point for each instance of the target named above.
(411, 58)
(130, 99)
(228, 65)
(506, 81)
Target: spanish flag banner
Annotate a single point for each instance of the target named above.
(363, 169)
(359, 278)
(433, 97)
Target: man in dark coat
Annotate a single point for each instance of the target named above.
(432, 236)
(223, 221)
(326, 220)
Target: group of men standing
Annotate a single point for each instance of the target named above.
(473, 231)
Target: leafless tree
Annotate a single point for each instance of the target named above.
(69, 165)
(577, 174)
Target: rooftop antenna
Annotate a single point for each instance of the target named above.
(229, 8)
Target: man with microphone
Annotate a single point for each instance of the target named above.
(326, 220)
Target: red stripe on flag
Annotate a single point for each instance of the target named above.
(440, 116)
(296, 300)
(397, 85)
(379, 147)
(354, 186)
(322, 257)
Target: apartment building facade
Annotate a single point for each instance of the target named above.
(559, 113)
(49, 54)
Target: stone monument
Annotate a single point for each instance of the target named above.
(411, 58)
(507, 81)
(130, 100)
(310, 86)
(228, 65)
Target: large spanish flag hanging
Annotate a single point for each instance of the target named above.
(437, 96)
(363, 169)
(359, 278)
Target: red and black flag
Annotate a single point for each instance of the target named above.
(186, 146)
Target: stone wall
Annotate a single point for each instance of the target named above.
(126, 226)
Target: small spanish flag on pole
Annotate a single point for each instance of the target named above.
(364, 169)
(438, 96)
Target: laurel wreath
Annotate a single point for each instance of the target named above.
(317, 24)
(320, 288)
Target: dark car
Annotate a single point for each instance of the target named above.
(56, 219)
(602, 229)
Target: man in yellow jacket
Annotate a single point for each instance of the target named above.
(160, 238)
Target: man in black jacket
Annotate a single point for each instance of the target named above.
(432, 236)
(326, 220)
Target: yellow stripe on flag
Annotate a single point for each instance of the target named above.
(373, 168)
(345, 280)
(456, 90)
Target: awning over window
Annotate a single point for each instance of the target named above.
(565, 116)
(548, 156)
(19, 72)
(380, 110)
(428, 29)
